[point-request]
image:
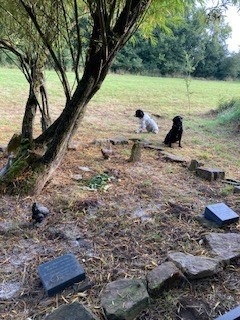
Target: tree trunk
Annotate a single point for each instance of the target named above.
(37, 98)
(29, 116)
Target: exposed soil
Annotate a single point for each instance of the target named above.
(123, 230)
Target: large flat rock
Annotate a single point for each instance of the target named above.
(225, 245)
(124, 299)
(194, 267)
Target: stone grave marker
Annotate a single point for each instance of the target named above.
(231, 315)
(60, 273)
(210, 174)
(221, 214)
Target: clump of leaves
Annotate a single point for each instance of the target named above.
(100, 182)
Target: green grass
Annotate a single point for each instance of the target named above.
(111, 110)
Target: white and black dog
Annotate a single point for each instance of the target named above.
(146, 122)
(175, 134)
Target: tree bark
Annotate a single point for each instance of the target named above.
(29, 115)
(37, 98)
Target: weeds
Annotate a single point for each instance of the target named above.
(229, 111)
(100, 182)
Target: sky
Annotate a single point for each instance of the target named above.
(233, 19)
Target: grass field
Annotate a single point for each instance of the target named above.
(111, 111)
(116, 242)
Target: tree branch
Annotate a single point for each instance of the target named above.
(49, 47)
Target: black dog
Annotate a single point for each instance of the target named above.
(175, 134)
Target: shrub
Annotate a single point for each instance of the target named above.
(229, 111)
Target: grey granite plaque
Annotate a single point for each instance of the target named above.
(231, 315)
(60, 273)
(221, 214)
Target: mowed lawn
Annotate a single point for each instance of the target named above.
(111, 112)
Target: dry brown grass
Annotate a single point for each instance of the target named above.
(121, 245)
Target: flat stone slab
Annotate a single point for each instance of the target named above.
(115, 141)
(210, 174)
(232, 182)
(236, 189)
(234, 314)
(153, 147)
(172, 157)
(73, 146)
(165, 276)
(124, 299)
(60, 273)
(77, 177)
(194, 267)
(225, 245)
(73, 311)
(86, 169)
(9, 289)
(100, 142)
(221, 214)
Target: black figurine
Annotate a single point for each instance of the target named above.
(39, 212)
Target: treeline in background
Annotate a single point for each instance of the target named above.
(193, 47)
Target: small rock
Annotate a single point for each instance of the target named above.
(73, 146)
(124, 299)
(9, 289)
(225, 245)
(86, 169)
(3, 148)
(73, 311)
(194, 267)
(115, 141)
(236, 189)
(106, 153)
(194, 165)
(100, 142)
(77, 177)
(171, 157)
(165, 276)
(153, 147)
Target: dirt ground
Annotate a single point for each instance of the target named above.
(121, 230)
